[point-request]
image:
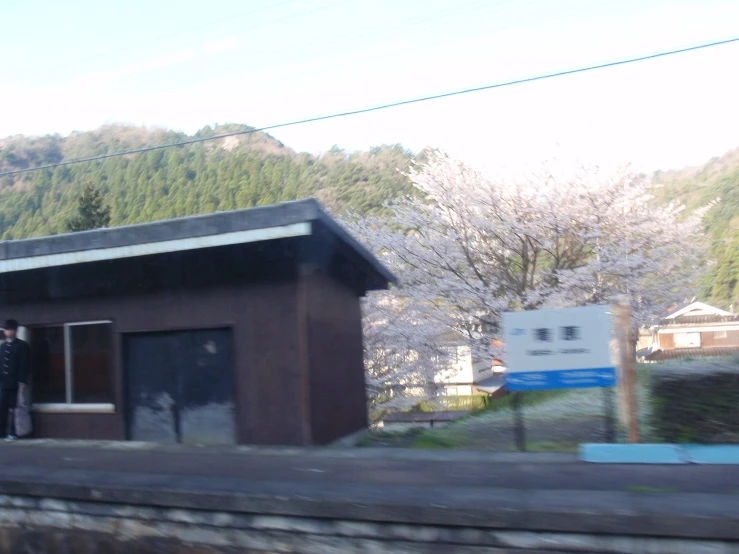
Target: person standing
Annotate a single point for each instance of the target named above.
(15, 367)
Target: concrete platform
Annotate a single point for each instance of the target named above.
(329, 501)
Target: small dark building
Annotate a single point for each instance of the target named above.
(237, 327)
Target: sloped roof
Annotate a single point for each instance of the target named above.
(681, 353)
(699, 308)
(288, 219)
(688, 320)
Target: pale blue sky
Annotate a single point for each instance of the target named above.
(75, 65)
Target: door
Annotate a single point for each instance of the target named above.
(181, 387)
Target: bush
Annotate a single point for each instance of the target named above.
(696, 403)
(463, 403)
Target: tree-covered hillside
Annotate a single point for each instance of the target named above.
(230, 173)
(256, 169)
(696, 187)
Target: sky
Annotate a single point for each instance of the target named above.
(76, 65)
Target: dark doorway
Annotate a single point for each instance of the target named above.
(181, 387)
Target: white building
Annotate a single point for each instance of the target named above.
(459, 374)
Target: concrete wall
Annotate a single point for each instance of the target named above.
(53, 526)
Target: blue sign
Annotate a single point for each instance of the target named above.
(561, 379)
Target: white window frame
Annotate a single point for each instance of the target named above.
(720, 335)
(69, 406)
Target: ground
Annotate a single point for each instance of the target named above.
(234, 469)
(554, 420)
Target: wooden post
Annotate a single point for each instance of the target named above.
(627, 381)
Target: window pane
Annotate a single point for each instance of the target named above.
(47, 365)
(92, 363)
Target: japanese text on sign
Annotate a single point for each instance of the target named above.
(559, 348)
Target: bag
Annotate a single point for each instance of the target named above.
(22, 413)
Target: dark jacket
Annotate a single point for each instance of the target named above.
(15, 363)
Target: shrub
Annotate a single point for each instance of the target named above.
(697, 402)
(463, 403)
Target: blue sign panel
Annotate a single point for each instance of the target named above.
(561, 379)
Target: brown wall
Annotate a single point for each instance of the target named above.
(269, 390)
(666, 342)
(708, 340)
(336, 386)
(732, 339)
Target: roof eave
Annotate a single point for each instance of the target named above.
(354, 244)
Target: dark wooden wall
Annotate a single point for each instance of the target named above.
(336, 387)
(270, 388)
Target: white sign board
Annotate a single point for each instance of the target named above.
(556, 349)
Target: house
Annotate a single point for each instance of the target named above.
(459, 373)
(235, 327)
(695, 329)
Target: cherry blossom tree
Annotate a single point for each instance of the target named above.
(400, 355)
(467, 248)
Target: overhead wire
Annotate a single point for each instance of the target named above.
(377, 108)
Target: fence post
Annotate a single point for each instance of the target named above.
(610, 419)
(519, 428)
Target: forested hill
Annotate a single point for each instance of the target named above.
(698, 186)
(256, 169)
(230, 173)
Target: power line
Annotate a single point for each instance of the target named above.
(374, 108)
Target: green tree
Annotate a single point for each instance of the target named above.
(92, 211)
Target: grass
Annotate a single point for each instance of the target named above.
(551, 446)
(647, 489)
(385, 438)
(540, 407)
(530, 398)
(454, 403)
(438, 439)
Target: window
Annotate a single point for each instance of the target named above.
(452, 354)
(719, 334)
(72, 363)
(446, 356)
(687, 340)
